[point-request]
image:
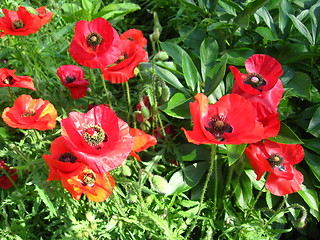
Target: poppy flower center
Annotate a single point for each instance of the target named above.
(95, 135)
(123, 57)
(255, 80)
(276, 160)
(217, 126)
(17, 24)
(9, 80)
(89, 178)
(70, 79)
(28, 113)
(93, 40)
(67, 157)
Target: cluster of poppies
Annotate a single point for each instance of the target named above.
(92, 143)
(96, 44)
(249, 115)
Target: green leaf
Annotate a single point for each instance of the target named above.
(209, 50)
(184, 179)
(44, 197)
(192, 152)
(266, 33)
(86, 4)
(243, 191)
(300, 84)
(286, 136)
(234, 152)
(314, 17)
(243, 17)
(190, 72)
(116, 11)
(177, 106)
(217, 74)
(171, 79)
(313, 162)
(310, 197)
(301, 28)
(237, 56)
(314, 125)
(285, 8)
(173, 50)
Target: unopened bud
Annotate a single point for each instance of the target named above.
(162, 56)
(89, 216)
(32, 10)
(126, 171)
(154, 37)
(132, 196)
(165, 96)
(159, 184)
(145, 111)
(145, 126)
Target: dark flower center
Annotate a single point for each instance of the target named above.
(93, 40)
(9, 80)
(276, 160)
(123, 57)
(70, 79)
(89, 178)
(28, 113)
(17, 24)
(95, 135)
(255, 80)
(67, 157)
(217, 126)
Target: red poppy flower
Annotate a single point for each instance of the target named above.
(142, 141)
(72, 77)
(277, 159)
(44, 15)
(99, 138)
(19, 22)
(7, 176)
(61, 160)
(231, 120)
(263, 73)
(132, 55)
(98, 187)
(95, 43)
(28, 113)
(136, 36)
(144, 103)
(9, 79)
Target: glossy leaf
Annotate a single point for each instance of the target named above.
(170, 78)
(217, 74)
(266, 33)
(243, 17)
(234, 152)
(301, 28)
(300, 84)
(286, 136)
(313, 162)
(173, 50)
(209, 50)
(190, 72)
(310, 197)
(314, 125)
(314, 17)
(177, 106)
(285, 8)
(243, 191)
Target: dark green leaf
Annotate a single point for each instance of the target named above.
(286, 136)
(300, 84)
(173, 50)
(285, 8)
(217, 74)
(192, 152)
(314, 163)
(314, 16)
(190, 72)
(177, 106)
(243, 17)
(243, 191)
(209, 50)
(170, 78)
(237, 56)
(314, 125)
(266, 33)
(234, 152)
(301, 28)
(310, 197)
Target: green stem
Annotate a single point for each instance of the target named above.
(205, 186)
(255, 201)
(127, 88)
(106, 91)
(9, 91)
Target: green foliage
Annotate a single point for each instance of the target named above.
(179, 190)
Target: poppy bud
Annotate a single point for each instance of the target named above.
(145, 126)
(32, 10)
(145, 111)
(165, 96)
(159, 184)
(154, 37)
(132, 196)
(89, 216)
(162, 56)
(126, 171)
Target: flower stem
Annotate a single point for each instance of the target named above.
(127, 88)
(106, 91)
(213, 165)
